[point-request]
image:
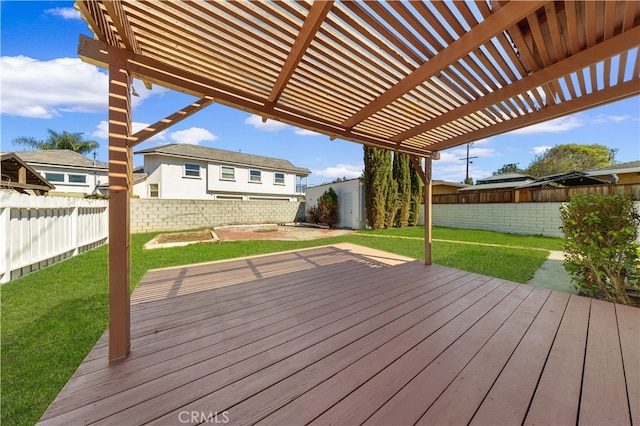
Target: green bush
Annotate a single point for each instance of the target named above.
(601, 252)
(327, 209)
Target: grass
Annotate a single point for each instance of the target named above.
(52, 318)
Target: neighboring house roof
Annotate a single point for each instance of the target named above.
(139, 177)
(60, 157)
(504, 177)
(448, 183)
(565, 179)
(225, 157)
(629, 167)
(32, 180)
(496, 185)
(337, 183)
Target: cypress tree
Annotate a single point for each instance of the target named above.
(376, 183)
(391, 205)
(401, 175)
(416, 196)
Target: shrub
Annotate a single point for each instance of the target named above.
(328, 207)
(601, 252)
(312, 215)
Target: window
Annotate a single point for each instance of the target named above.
(255, 176)
(278, 178)
(227, 173)
(153, 190)
(54, 177)
(77, 178)
(191, 170)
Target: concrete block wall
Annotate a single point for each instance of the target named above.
(513, 218)
(149, 215)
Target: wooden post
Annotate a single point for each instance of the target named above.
(22, 175)
(119, 188)
(427, 212)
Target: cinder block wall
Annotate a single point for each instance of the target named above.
(149, 215)
(514, 218)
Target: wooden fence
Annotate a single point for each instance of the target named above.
(37, 231)
(534, 195)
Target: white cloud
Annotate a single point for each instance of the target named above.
(102, 131)
(537, 150)
(267, 126)
(602, 119)
(559, 125)
(192, 136)
(305, 132)
(64, 12)
(457, 172)
(341, 170)
(456, 154)
(619, 118)
(44, 89)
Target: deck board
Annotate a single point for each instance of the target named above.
(604, 394)
(348, 335)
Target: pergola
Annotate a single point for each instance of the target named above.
(412, 77)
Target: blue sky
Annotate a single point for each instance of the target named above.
(44, 85)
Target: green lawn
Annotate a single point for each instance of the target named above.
(53, 317)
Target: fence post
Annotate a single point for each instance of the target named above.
(5, 229)
(74, 228)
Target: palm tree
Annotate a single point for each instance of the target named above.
(64, 140)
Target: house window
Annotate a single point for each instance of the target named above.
(77, 179)
(54, 177)
(278, 178)
(227, 173)
(191, 170)
(153, 190)
(255, 176)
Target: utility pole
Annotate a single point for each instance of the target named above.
(468, 158)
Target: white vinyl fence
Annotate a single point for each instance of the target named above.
(37, 231)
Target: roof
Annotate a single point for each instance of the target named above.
(415, 77)
(505, 177)
(60, 157)
(338, 182)
(448, 183)
(11, 164)
(496, 186)
(565, 179)
(629, 167)
(225, 157)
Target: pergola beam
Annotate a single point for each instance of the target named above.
(95, 52)
(502, 19)
(607, 49)
(611, 94)
(312, 23)
(169, 121)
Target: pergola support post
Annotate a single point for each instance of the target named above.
(428, 222)
(119, 194)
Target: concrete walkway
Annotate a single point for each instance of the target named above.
(553, 275)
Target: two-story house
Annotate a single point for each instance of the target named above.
(72, 173)
(182, 171)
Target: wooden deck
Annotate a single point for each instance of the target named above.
(347, 335)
